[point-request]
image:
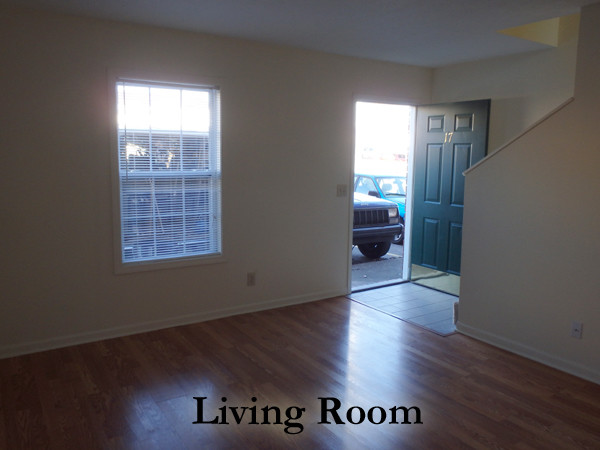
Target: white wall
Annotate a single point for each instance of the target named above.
(288, 118)
(523, 88)
(530, 242)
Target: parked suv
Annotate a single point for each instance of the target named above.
(390, 187)
(376, 224)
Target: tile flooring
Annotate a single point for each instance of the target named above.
(416, 304)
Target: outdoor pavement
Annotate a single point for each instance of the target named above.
(368, 272)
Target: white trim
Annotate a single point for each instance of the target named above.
(164, 264)
(412, 104)
(408, 212)
(350, 203)
(7, 351)
(528, 352)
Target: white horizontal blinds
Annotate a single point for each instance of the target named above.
(169, 170)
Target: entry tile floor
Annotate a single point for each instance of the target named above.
(419, 305)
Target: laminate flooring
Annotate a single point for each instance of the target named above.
(160, 390)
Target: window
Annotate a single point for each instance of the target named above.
(392, 186)
(365, 186)
(168, 171)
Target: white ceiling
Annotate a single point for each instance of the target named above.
(430, 33)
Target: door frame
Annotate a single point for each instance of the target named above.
(406, 266)
(410, 185)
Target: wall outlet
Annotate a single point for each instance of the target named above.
(576, 330)
(342, 190)
(251, 279)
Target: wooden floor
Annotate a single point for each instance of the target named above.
(138, 392)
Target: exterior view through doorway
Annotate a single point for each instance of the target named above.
(383, 140)
(413, 158)
(409, 165)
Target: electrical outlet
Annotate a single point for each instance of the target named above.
(342, 190)
(576, 330)
(251, 279)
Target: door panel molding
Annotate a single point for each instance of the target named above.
(450, 138)
(461, 160)
(433, 174)
(431, 236)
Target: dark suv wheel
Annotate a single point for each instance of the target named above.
(375, 250)
(399, 238)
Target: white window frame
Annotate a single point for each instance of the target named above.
(168, 262)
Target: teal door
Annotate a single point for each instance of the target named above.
(449, 139)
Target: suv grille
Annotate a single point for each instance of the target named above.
(365, 218)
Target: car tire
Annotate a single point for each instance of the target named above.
(374, 250)
(399, 238)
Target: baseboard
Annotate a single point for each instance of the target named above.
(8, 351)
(529, 352)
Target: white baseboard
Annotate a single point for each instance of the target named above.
(526, 351)
(7, 351)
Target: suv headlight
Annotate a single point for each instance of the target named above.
(393, 212)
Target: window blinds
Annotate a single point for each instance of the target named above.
(169, 170)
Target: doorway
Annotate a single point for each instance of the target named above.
(430, 147)
(425, 150)
(383, 143)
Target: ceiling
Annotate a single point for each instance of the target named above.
(430, 33)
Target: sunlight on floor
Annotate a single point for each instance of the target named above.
(441, 281)
(419, 305)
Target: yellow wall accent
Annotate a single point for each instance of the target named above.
(551, 32)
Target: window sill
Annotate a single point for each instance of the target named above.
(147, 266)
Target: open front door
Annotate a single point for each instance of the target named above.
(449, 139)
